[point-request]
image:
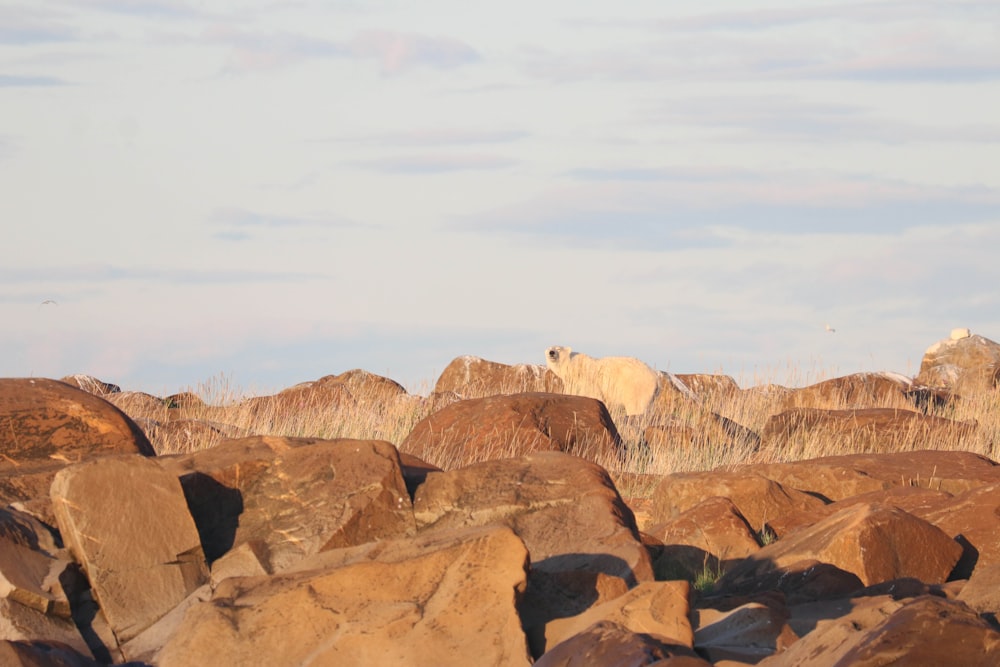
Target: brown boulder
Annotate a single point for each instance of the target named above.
(862, 430)
(610, 644)
(42, 654)
(446, 599)
(758, 499)
(49, 422)
(292, 497)
(126, 523)
(744, 633)
(711, 534)
(973, 519)
(513, 425)
(658, 609)
(707, 386)
(839, 477)
(91, 384)
(859, 390)
(963, 364)
(925, 631)
(874, 542)
(567, 511)
(473, 377)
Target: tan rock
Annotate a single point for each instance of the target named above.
(839, 477)
(42, 654)
(572, 520)
(91, 384)
(982, 592)
(473, 377)
(447, 601)
(875, 542)
(964, 365)
(610, 644)
(711, 534)
(746, 633)
(927, 630)
(973, 519)
(127, 524)
(294, 497)
(706, 386)
(758, 499)
(862, 430)
(859, 390)
(658, 609)
(19, 623)
(513, 425)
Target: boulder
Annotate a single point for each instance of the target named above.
(926, 630)
(42, 654)
(473, 377)
(127, 524)
(445, 599)
(709, 386)
(610, 644)
(572, 520)
(982, 592)
(839, 477)
(656, 609)
(856, 391)
(91, 384)
(743, 633)
(292, 497)
(862, 430)
(973, 520)
(712, 534)
(514, 425)
(180, 436)
(758, 499)
(964, 364)
(874, 542)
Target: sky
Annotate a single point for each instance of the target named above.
(265, 193)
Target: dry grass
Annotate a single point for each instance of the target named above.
(696, 438)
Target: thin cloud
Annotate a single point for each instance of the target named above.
(787, 118)
(21, 26)
(238, 217)
(11, 81)
(439, 137)
(393, 51)
(154, 9)
(109, 273)
(437, 164)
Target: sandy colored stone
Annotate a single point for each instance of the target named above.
(858, 390)
(964, 365)
(21, 623)
(506, 426)
(656, 608)
(126, 522)
(711, 534)
(42, 654)
(874, 542)
(610, 644)
(758, 499)
(432, 600)
(473, 377)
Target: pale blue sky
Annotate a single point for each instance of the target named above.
(277, 191)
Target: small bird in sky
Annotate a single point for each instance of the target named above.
(830, 329)
(48, 302)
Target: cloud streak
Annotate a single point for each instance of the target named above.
(108, 273)
(393, 51)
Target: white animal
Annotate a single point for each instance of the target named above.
(619, 382)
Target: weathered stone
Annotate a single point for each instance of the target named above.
(31, 577)
(707, 386)
(42, 654)
(144, 646)
(964, 365)
(801, 582)
(513, 425)
(927, 630)
(859, 390)
(757, 498)
(293, 497)
(126, 523)
(180, 436)
(973, 519)
(711, 534)
(912, 499)
(19, 623)
(863, 430)
(610, 644)
(436, 600)
(874, 542)
(658, 609)
(91, 384)
(473, 377)
(982, 592)
(839, 477)
(566, 510)
(745, 633)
